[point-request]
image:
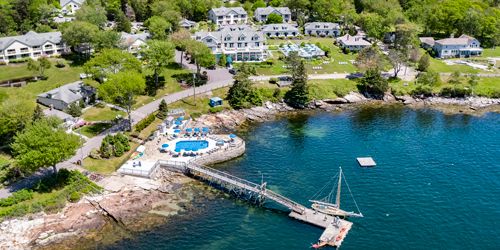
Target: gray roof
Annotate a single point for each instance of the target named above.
(31, 39)
(224, 11)
(64, 2)
(186, 23)
(427, 40)
(462, 40)
(353, 40)
(321, 25)
(268, 10)
(68, 93)
(232, 33)
(279, 27)
(128, 39)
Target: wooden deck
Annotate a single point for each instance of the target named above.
(336, 229)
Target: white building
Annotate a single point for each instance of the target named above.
(353, 43)
(463, 46)
(32, 45)
(69, 7)
(322, 29)
(133, 43)
(240, 42)
(225, 16)
(261, 14)
(280, 30)
(187, 24)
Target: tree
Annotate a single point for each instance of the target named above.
(43, 144)
(274, 18)
(369, 58)
(15, 114)
(397, 60)
(258, 4)
(424, 62)
(373, 84)
(473, 81)
(223, 60)
(121, 89)
(38, 113)
(105, 40)
(181, 39)
(158, 27)
(298, 95)
(158, 55)
(298, 7)
(33, 66)
(44, 64)
(429, 78)
(201, 55)
(74, 109)
(241, 94)
(122, 22)
(92, 13)
(162, 110)
(79, 35)
(111, 61)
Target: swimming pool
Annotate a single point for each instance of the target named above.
(191, 145)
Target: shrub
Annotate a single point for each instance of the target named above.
(94, 154)
(456, 91)
(273, 81)
(422, 90)
(16, 197)
(19, 60)
(3, 63)
(145, 122)
(119, 150)
(60, 64)
(74, 196)
(99, 105)
(214, 110)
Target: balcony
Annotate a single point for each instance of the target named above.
(11, 52)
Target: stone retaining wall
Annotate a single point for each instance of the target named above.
(225, 154)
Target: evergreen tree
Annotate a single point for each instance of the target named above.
(373, 83)
(423, 63)
(241, 94)
(74, 109)
(162, 110)
(38, 113)
(298, 95)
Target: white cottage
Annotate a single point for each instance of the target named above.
(33, 45)
(69, 7)
(228, 16)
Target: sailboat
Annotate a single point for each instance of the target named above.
(326, 207)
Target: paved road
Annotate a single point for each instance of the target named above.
(217, 79)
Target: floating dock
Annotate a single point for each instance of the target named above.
(336, 229)
(366, 162)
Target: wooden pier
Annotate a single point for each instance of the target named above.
(336, 229)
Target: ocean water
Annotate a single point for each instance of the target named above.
(436, 185)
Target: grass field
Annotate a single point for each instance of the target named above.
(56, 78)
(101, 114)
(199, 105)
(491, 52)
(108, 166)
(326, 89)
(94, 129)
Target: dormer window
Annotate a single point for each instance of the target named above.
(241, 38)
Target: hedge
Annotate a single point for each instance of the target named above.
(145, 122)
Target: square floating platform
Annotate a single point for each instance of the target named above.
(366, 162)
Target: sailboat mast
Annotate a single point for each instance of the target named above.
(337, 201)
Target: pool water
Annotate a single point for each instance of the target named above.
(191, 145)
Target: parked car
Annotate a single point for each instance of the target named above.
(211, 67)
(233, 71)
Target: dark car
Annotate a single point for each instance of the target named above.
(211, 67)
(233, 71)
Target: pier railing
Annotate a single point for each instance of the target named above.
(200, 170)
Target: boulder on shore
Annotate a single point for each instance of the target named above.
(355, 97)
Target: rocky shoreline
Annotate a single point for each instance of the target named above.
(132, 204)
(230, 120)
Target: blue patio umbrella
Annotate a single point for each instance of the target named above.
(177, 131)
(232, 136)
(178, 122)
(205, 129)
(180, 118)
(189, 130)
(164, 145)
(196, 130)
(178, 150)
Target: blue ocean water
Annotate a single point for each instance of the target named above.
(436, 185)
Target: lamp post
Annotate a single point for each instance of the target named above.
(194, 88)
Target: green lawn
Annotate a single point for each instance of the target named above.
(94, 129)
(171, 86)
(108, 166)
(56, 77)
(145, 133)
(438, 65)
(490, 52)
(195, 107)
(338, 62)
(101, 114)
(333, 88)
(488, 87)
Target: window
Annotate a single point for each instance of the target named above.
(257, 44)
(209, 40)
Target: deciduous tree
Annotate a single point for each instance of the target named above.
(121, 89)
(111, 61)
(42, 145)
(201, 55)
(157, 55)
(158, 27)
(274, 18)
